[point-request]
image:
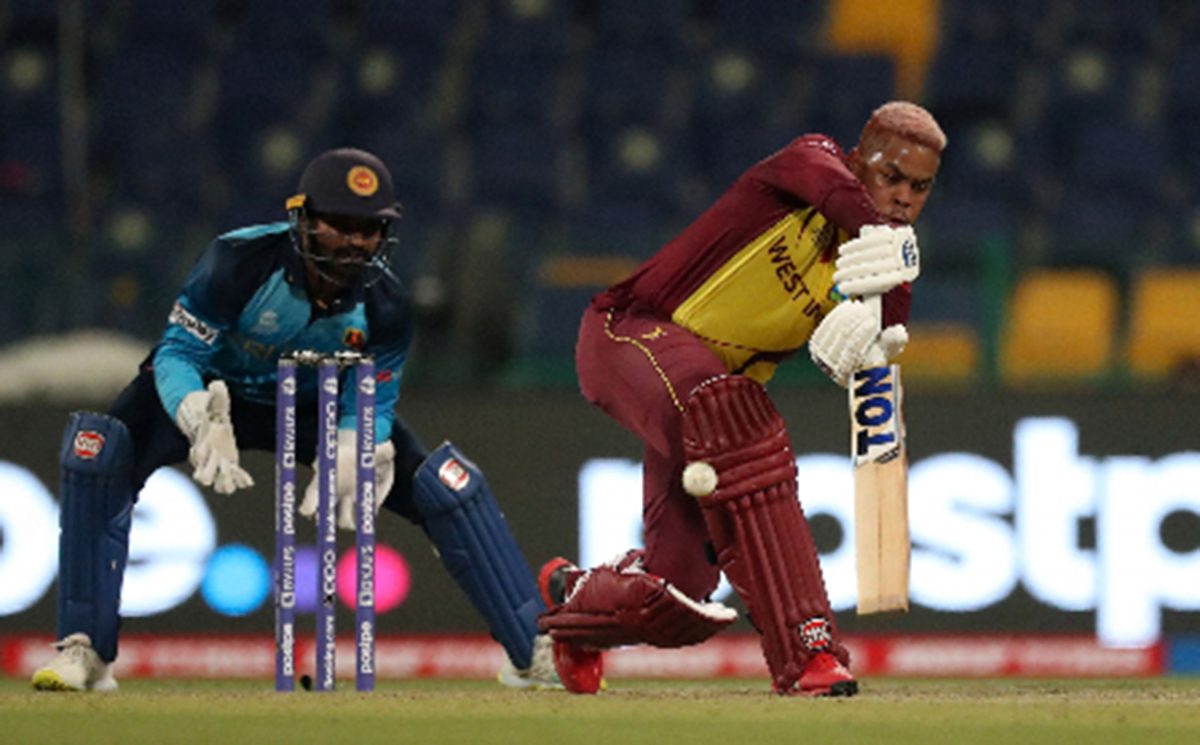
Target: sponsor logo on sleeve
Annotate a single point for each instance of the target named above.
(181, 317)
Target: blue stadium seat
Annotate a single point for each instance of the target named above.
(33, 151)
(388, 82)
(955, 227)
(259, 89)
(1183, 89)
(781, 25)
(183, 24)
(403, 22)
(518, 166)
(544, 27)
(989, 21)
(664, 22)
(622, 82)
(971, 79)
(515, 86)
(142, 88)
(981, 161)
(1116, 24)
(739, 145)
(636, 161)
(619, 227)
(257, 81)
(306, 26)
(547, 328)
(947, 298)
(1105, 228)
(31, 22)
(1121, 156)
(847, 88)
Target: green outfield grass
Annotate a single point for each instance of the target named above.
(896, 712)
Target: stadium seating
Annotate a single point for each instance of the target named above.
(1061, 327)
(603, 126)
(1164, 338)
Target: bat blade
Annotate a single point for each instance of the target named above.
(880, 490)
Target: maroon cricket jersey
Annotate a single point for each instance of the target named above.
(753, 275)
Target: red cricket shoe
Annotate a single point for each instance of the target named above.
(581, 670)
(552, 580)
(825, 676)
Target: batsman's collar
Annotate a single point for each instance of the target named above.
(347, 181)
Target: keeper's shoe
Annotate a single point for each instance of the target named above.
(580, 669)
(540, 676)
(825, 676)
(76, 668)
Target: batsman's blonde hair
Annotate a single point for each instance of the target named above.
(907, 120)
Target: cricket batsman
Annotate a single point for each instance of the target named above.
(319, 281)
(679, 353)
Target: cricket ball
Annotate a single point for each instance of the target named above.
(699, 479)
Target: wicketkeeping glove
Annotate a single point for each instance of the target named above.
(880, 258)
(203, 416)
(848, 340)
(347, 478)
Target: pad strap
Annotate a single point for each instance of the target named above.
(754, 519)
(96, 498)
(473, 540)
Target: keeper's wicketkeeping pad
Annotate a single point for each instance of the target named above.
(96, 498)
(476, 546)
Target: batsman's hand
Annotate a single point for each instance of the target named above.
(347, 479)
(848, 340)
(880, 258)
(203, 416)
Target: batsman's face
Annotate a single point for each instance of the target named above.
(898, 175)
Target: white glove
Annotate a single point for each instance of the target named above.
(204, 417)
(848, 340)
(880, 258)
(347, 478)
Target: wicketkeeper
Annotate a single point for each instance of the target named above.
(679, 353)
(319, 281)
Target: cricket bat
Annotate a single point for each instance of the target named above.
(880, 486)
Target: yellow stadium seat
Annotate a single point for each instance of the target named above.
(570, 270)
(1061, 325)
(904, 29)
(940, 353)
(1164, 323)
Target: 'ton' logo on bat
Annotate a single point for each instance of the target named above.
(875, 414)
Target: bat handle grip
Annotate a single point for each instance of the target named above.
(874, 303)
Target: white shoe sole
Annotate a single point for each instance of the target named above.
(50, 680)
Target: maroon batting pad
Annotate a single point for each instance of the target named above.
(762, 540)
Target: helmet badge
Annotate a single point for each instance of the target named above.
(362, 181)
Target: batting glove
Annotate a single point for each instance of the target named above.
(203, 416)
(347, 479)
(880, 258)
(848, 340)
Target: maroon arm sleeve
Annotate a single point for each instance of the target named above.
(813, 171)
